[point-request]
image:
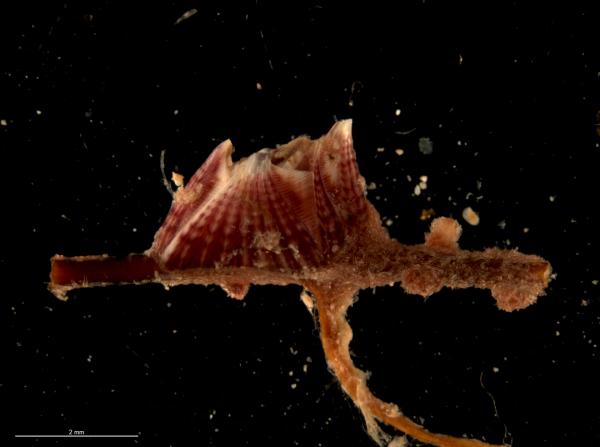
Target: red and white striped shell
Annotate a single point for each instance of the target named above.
(288, 208)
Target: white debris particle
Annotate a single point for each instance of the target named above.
(307, 300)
(134, 230)
(290, 373)
(423, 178)
(417, 190)
(502, 224)
(595, 282)
(470, 216)
(372, 186)
(495, 369)
(186, 15)
(293, 351)
(38, 112)
(557, 333)
(380, 149)
(293, 386)
(399, 152)
(398, 441)
(3, 123)
(305, 368)
(259, 86)
(425, 145)
(525, 230)
(552, 198)
(89, 358)
(389, 222)
(398, 112)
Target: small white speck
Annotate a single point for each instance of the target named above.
(495, 369)
(389, 222)
(399, 152)
(259, 86)
(3, 123)
(552, 198)
(293, 386)
(38, 112)
(134, 230)
(417, 190)
(380, 149)
(525, 230)
(398, 112)
(175, 112)
(89, 358)
(557, 333)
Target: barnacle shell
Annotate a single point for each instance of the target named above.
(289, 208)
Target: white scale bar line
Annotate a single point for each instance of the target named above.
(76, 436)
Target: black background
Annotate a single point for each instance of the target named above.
(92, 92)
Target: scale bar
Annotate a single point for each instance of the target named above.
(76, 436)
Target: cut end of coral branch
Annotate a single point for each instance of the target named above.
(79, 271)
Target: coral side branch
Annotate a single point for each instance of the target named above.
(336, 334)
